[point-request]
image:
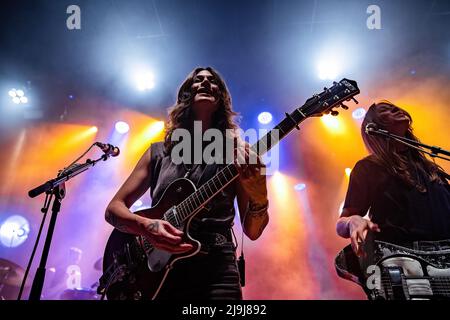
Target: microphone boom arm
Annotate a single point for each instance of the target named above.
(434, 151)
(54, 187)
(64, 176)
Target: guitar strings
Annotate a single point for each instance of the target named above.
(189, 205)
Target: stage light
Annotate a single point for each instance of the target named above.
(334, 59)
(280, 186)
(18, 96)
(300, 187)
(358, 113)
(93, 129)
(14, 231)
(154, 129)
(122, 127)
(144, 80)
(348, 171)
(265, 117)
(328, 68)
(330, 121)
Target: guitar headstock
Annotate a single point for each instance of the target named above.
(331, 98)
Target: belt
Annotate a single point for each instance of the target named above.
(212, 240)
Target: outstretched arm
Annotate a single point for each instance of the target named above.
(159, 232)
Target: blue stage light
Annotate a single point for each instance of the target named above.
(122, 127)
(358, 113)
(14, 231)
(265, 117)
(300, 187)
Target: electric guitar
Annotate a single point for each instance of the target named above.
(134, 269)
(393, 272)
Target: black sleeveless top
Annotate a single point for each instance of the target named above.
(218, 214)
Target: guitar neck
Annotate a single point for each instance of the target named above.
(226, 175)
(314, 106)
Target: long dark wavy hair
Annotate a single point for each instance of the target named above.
(181, 114)
(407, 165)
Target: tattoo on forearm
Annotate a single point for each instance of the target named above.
(114, 221)
(153, 227)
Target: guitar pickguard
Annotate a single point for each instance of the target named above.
(405, 273)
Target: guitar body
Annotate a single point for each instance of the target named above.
(392, 272)
(132, 267)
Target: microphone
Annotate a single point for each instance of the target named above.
(108, 149)
(372, 129)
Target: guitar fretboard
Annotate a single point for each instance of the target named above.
(314, 106)
(225, 176)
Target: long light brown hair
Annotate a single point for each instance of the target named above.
(181, 114)
(407, 165)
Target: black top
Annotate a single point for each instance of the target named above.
(218, 214)
(205, 277)
(402, 212)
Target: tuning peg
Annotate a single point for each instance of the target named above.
(334, 83)
(344, 106)
(334, 113)
(354, 100)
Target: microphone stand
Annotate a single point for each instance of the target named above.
(54, 187)
(434, 151)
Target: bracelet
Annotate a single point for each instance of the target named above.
(257, 210)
